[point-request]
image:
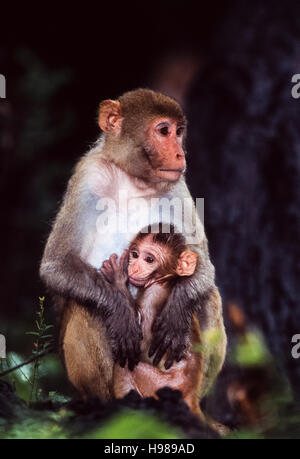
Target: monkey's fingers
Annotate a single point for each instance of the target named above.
(132, 361)
(120, 356)
(181, 353)
(156, 343)
(129, 352)
(119, 348)
(137, 347)
(122, 361)
(169, 363)
(107, 265)
(134, 350)
(124, 261)
(137, 357)
(113, 261)
(174, 353)
(159, 331)
(161, 351)
(107, 273)
(152, 349)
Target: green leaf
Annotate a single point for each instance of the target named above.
(134, 424)
(251, 351)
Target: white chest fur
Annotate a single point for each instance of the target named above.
(124, 207)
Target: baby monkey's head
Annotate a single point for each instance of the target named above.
(159, 257)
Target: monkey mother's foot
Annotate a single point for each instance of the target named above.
(221, 429)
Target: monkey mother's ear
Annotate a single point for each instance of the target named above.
(187, 263)
(110, 119)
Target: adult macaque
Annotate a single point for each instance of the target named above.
(140, 155)
(156, 261)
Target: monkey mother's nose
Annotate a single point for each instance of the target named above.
(180, 158)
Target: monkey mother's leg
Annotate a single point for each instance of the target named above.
(213, 338)
(68, 276)
(86, 352)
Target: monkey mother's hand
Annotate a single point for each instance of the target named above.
(125, 335)
(170, 330)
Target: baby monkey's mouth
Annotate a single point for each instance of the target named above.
(148, 281)
(137, 282)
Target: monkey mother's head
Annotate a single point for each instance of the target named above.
(144, 135)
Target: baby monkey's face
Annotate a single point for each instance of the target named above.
(145, 262)
(151, 262)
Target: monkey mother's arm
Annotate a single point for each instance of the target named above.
(193, 294)
(66, 273)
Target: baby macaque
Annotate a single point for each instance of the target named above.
(155, 262)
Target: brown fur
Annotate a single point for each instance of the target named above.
(97, 320)
(140, 106)
(89, 365)
(146, 379)
(168, 252)
(137, 109)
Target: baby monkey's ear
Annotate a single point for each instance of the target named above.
(187, 263)
(110, 119)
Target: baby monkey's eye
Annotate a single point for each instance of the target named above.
(135, 255)
(164, 130)
(149, 260)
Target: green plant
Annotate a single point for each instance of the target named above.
(42, 342)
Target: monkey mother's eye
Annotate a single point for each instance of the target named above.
(179, 131)
(149, 260)
(164, 130)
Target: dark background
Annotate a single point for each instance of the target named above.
(230, 63)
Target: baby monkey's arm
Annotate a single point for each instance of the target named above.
(116, 273)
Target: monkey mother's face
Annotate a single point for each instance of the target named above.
(145, 258)
(164, 147)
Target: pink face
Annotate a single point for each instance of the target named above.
(144, 260)
(147, 262)
(166, 136)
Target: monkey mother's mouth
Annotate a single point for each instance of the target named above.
(179, 171)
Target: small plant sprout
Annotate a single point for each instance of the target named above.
(41, 343)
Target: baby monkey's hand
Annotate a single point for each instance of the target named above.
(114, 272)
